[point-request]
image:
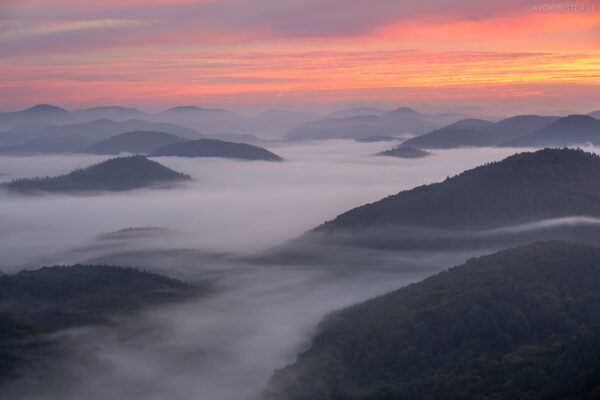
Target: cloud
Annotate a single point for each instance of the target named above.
(70, 26)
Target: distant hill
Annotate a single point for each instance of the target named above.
(215, 148)
(353, 112)
(48, 145)
(568, 131)
(393, 123)
(279, 121)
(34, 303)
(209, 120)
(135, 142)
(480, 133)
(238, 137)
(404, 152)
(595, 114)
(525, 187)
(117, 174)
(39, 113)
(115, 113)
(95, 130)
(518, 324)
(374, 139)
(466, 132)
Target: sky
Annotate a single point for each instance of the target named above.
(497, 57)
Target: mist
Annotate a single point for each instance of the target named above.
(258, 315)
(231, 206)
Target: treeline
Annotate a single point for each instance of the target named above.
(33, 303)
(520, 324)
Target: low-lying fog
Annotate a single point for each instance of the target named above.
(224, 346)
(231, 206)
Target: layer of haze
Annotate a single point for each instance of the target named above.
(224, 346)
(230, 206)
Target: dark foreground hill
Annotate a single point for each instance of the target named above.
(519, 324)
(123, 173)
(135, 142)
(34, 303)
(215, 148)
(525, 187)
(568, 131)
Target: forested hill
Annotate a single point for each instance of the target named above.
(135, 142)
(123, 173)
(519, 324)
(33, 303)
(215, 148)
(548, 183)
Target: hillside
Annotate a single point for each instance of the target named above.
(466, 132)
(124, 173)
(135, 142)
(48, 145)
(34, 303)
(215, 148)
(518, 324)
(392, 123)
(480, 133)
(525, 187)
(403, 151)
(568, 131)
(38, 113)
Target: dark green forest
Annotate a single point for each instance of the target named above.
(34, 303)
(523, 323)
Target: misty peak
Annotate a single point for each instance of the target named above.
(45, 109)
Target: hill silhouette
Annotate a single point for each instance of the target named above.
(123, 173)
(480, 133)
(568, 131)
(392, 123)
(466, 132)
(525, 187)
(518, 324)
(48, 145)
(215, 148)
(135, 142)
(35, 303)
(404, 152)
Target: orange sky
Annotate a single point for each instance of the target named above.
(243, 54)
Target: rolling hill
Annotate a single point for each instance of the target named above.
(403, 151)
(35, 303)
(36, 114)
(48, 145)
(117, 174)
(215, 148)
(573, 130)
(518, 324)
(480, 133)
(135, 142)
(466, 132)
(393, 123)
(525, 187)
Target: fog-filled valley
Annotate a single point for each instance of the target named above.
(299, 200)
(258, 313)
(231, 230)
(230, 206)
(210, 265)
